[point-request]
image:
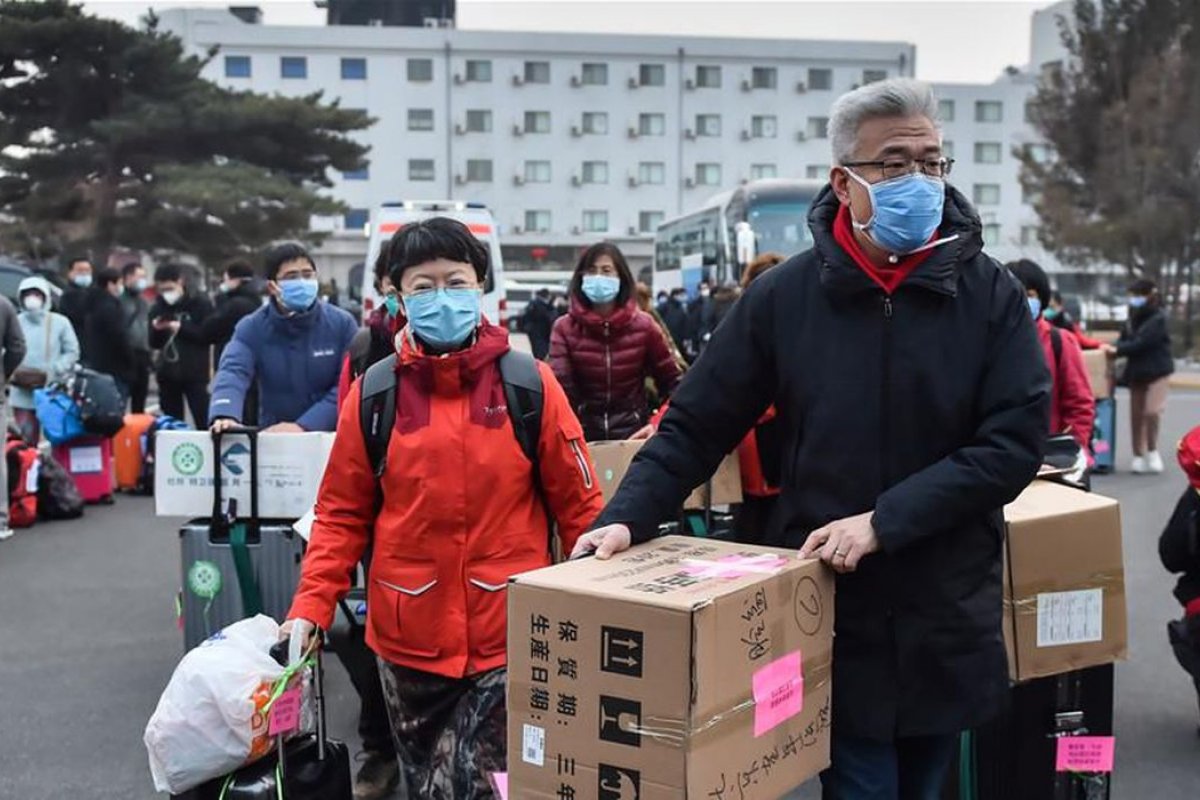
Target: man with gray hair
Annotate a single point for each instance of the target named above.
(912, 401)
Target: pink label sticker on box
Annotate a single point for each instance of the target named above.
(500, 781)
(778, 692)
(1085, 753)
(734, 566)
(285, 713)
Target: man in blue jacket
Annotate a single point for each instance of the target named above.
(291, 348)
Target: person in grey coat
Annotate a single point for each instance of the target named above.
(14, 352)
(51, 348)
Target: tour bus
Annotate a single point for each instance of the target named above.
(391, 217)
(703, 244)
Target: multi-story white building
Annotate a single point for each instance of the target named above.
(574, 137)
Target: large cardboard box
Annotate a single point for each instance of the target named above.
(1064, 594)
(683, 669)
(612, 460)
(290, 468)
(1099, 370)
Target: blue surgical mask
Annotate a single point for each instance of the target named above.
(443, 318)
(82, 281)
(1137, 302)
(905, 211)
(601, 288)
(392, 304)
(1035, 306)
(298, 294)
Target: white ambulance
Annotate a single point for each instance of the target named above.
(391, 217)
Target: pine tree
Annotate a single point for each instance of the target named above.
(110, 136)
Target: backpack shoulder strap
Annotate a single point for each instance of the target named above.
(359, 352)
(523, 393)
(1057, 346)
(377, 410)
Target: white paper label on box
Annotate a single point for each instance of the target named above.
(86, 461)
(1070, 617)
(534, 749)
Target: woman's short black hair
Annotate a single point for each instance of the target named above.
(382, 264)
(431, 239)
(281, 254)
(1032, 277)
(168, 273)
(239, 270)
(1143, 287)
(107, 277)
(589, 258)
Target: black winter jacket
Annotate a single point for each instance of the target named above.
(186, 359)
(230, 308)
(105, 340)
(929, 407)
(1179, 546)
(1146, 342)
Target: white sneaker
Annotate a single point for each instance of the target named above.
(6, 533)
(1138, 467)
(1154, 462)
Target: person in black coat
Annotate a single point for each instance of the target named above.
(78, 295)
(537, 321)
(1179, 549)
(913, 402)
(674, 315)
(105, 340)
(239, 297)
(176, 331)
(1146, 343)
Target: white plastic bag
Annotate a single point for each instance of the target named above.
(209, 720)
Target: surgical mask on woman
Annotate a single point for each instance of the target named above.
(444, 318)
(34, 304)
(1137, 301)
(1035, 306)
(82, 281)
(601, 288)
(905, 211)
(172, 297)
(299, 294)
(392, 304)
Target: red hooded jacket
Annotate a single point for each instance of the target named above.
(1072, 407)
(459, 515)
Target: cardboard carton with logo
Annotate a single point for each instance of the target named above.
(290, 468)
(689, 669)
(612, 460)
(1064, 592)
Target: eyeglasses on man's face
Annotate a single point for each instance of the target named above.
(888, 168)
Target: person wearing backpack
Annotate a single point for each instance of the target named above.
(51, 352)
(1072, 406)
(451, 458)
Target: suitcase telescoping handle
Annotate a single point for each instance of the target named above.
(225, 517)
(286, 654)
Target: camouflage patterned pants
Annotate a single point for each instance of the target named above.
(450, 733)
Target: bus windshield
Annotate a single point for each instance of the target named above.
(780, 227)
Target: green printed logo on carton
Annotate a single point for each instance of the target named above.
(188, 459)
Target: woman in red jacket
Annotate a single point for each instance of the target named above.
(455, 513)
(605, 348)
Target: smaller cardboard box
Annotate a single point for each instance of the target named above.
(683, 669)
(1099, 370)
(1064, 593)
(612, 460)
(290, 468)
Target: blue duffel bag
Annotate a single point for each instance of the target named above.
(58, 414)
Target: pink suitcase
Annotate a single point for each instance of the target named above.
(89, 459)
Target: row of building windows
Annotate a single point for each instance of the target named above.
(985, 110)
(420, 70)
(649, 173)
(596, 123)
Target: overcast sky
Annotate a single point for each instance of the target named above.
(965, 41)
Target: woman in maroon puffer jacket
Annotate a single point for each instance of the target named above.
(603, 351)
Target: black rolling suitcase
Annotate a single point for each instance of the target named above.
(309, 767)
(1013, 757)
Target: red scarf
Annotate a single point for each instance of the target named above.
(889, 278)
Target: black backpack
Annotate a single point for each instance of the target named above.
(101, 406)
(522, 392)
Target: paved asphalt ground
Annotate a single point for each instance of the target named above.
(88, 640)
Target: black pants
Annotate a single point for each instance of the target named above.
(363, 668)
(171, 395)
(906, 769)
(140, 387)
